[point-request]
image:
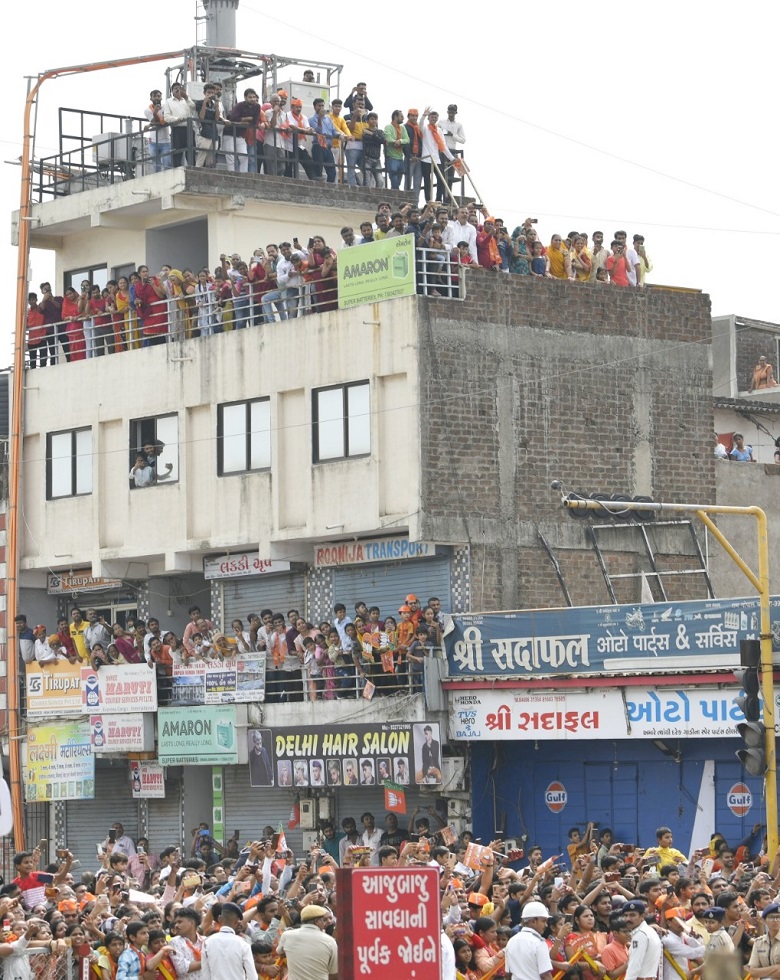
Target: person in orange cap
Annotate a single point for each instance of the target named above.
(414, 605)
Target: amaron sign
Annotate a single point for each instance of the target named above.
(739, 799)
(556, 797)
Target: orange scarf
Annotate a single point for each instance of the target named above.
(417, 138)
(278, 648)
(437, 136)
(493, 251)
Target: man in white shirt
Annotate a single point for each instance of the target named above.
(644, 956)
(372, 836)
(44, 654)
(527, 955)
(460, 230)
(177, 111)
(289, 277)
(678, 945)
(433, 149)
(225, 955)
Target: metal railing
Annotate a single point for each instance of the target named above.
(235, 305)
(98, 149)
(42, 964)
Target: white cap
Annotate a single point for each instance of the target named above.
(535, 910)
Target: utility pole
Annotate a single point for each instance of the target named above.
(621, 509)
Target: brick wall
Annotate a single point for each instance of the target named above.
(526, 382)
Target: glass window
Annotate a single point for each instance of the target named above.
(244, 436)
(69, 463)
(156, 438)
(342, 422)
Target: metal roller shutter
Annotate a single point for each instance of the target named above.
(249, 810)
(164, 821)
(387, 586)
(87, 821)
(278, 592)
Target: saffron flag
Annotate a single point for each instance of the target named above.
(295, 814)
(395, 798)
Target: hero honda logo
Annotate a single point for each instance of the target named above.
(739, 799)
(555, 796)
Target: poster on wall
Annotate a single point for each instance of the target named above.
(53, 689)
(219, 681)
(122, 733)
(345, 755)
(60, 763)
(118, 688)
(147, 780)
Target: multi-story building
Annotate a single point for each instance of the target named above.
(399, 447)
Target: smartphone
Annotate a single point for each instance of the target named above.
(140, 850)
(112, 835)
(707, 866)
(558, 882)
(42, 843)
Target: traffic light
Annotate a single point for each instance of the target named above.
(751, 730)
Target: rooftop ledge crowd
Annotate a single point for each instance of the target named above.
(363, 655)
(287, 280)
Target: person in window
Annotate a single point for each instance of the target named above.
(142, 473)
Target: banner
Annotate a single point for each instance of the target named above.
(392, 923)
(236, 566)
(147, 780)
(65, 583)
(60, 763)
(197, 736)
(376, 271)
(632, 712)
(120, 688)
(370, 550)
(219, 681)
(345, 755)
(395, 798)
(122, 733)
(699, 634)
(53, 689)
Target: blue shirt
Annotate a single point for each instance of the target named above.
(323, 125)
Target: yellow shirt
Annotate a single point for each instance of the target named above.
(557, 262)
(77, 635)
(583, 275)
(341, 126)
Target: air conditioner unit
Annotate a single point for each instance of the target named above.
(308, 814)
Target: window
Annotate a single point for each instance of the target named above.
(97, 275)
(342, 422)
(157, 439)
(244, 436)
(68, 463)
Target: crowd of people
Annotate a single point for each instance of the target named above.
(287, 280)
(605, 909)
(351, 656)
(278, 139)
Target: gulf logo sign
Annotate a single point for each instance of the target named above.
(739, 799)
(555, 796)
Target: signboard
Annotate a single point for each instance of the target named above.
(371, 550)
(53, 689)
(147, 780)
(219, 681)
(65, 583)
(60, 763)
(392, 923)
(376, 271)
(346, 755)
(605, 639)
(236, 566)
(739, 799)
(556, 797)
(608, 713)
(197, 736)
(120, 688)
(122, 733)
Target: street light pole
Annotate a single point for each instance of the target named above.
(760, 583)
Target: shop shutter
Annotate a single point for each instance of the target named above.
(256, 592)
(387, 585)
(164, 822)
(87, 821)
(249, 810)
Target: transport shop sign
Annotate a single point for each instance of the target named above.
(65, 583)
(392, 920)
(371, 550)
(122, 733)
(147, 780)
(117, 689)
(739, 799)
(556, 797)
(634, 712)
(53, 689)
(403, 753)
(605, 639)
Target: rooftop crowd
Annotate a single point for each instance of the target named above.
(604, 909)
(351, 656)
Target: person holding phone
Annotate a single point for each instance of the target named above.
(121, 841)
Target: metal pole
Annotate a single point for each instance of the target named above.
(760, 582)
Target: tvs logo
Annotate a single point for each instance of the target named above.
(555, 796)
(739, 799)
